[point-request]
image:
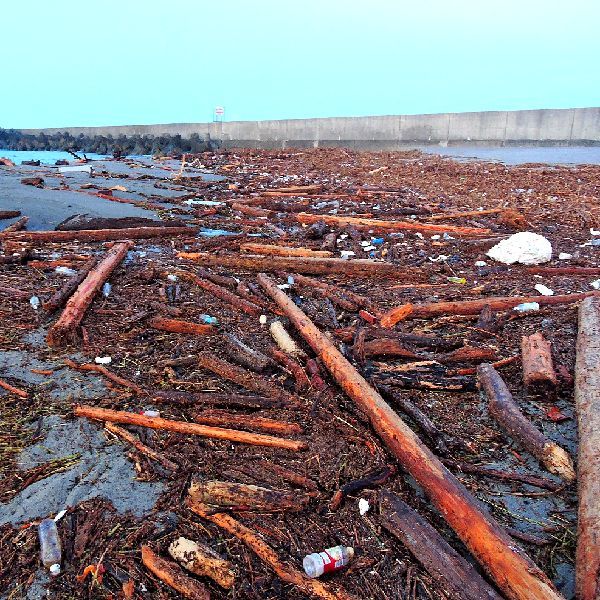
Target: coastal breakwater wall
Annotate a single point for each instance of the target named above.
(547, 127)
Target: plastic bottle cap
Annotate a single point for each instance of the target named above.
(55, 569)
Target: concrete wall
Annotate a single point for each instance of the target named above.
(574, 126)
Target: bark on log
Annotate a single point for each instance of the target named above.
(16, 226)
(359, 267)
(440, 560)
(60, 297)
(203, 561)
(96, 235)
(141, 447)
(472, 307)
(361, 223)
(179, 326)
(254, 439)
(224, 294)
(172, 575)
(505, 411)
(387, 347)
(587, 401)
(312, 587)
(222, 418)
(513, 571)
(241, 496)
(468, 354)
(230, 400)
(253, 211)
(64, 331)
(536, 355)
(244, 378)
(584, 271)
(272, 250)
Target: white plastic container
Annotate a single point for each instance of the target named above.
(50, 548)
(329, 560)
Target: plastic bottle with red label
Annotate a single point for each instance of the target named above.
(329, 560)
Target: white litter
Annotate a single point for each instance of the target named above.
(595, 284)
(594, 231)
(172, 277)
(60, 515)
(363, 507)
(480, 263)
(564, 256)
(524, 247)
(262, 319)
(369, 248)
(543, 290)
(65, 271)
(345, 254)
(527, 307)
(35, 302)
(103, 360)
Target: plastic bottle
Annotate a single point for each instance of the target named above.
(50, 549)
(329, 560)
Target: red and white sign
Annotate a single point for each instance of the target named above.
(219, 111)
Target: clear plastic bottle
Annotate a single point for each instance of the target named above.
(329, 560)
(50, 549)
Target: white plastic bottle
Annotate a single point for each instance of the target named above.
(50, 549)
(329, 560)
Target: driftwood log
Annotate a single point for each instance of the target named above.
(440, 560)
(505, 411)
(271, 250)
(536, 355)
(587, 401)
(96, 235)
(222, 418)
(179, 326)
(513, 571)
(64, 331)
(60, 297)
(244, 437)
(472, 307)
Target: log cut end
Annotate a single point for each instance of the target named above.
(60, 336)
(390, 318)
(558, 461)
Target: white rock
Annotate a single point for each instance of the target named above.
(65, 271)
(262, 319)
(527, 307)
(543, 290)
(524, 247)
(103, 360)
(595, 284)
(564, 256)
(363, 507)
(480, 263)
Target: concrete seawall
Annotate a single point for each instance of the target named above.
(552, 127)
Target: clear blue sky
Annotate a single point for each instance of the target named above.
(111, 62)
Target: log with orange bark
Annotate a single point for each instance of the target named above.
(587, 402)
(359, 267)
(273, 250)
(179, 326)
(219, 433)
(472, 307)
(515, 574)
(96, 235)
(223, 418)
(60, 297)
(172, 575)
(538, 368)
(17, 225)
(64, 331)
(288, 573)
(378, 224)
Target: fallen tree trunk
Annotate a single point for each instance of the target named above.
(254, 439)
(17, 225)
(140, 447)
(440, 560)
(536, 355)
(587, 401)
(359, 267)
(60, 297)
(312, 587)
(241, 496)
(514, 572)
(64, 331)
(202, 560)
(245, 378)
(172, 575)
(472, 307)
(179, 326)
(222, 418)
(272, 250)
(505, 411)
(96, 235)
(361, 223)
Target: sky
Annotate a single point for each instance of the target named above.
(84, 63)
